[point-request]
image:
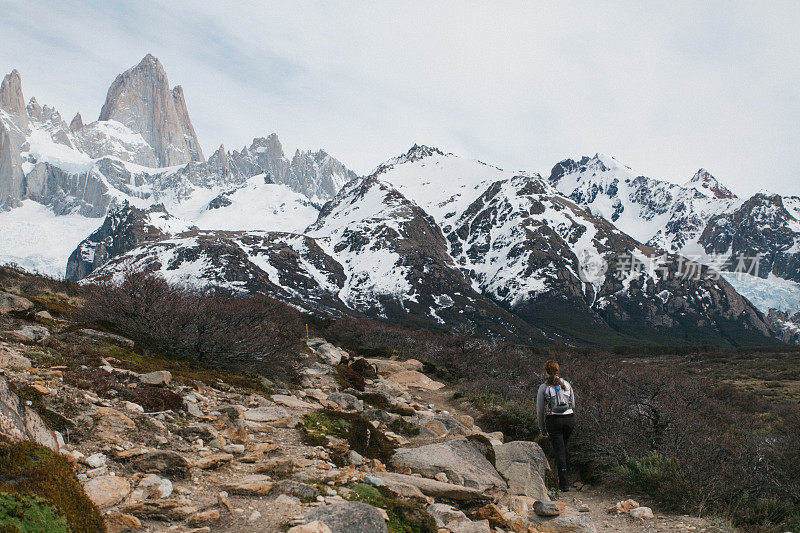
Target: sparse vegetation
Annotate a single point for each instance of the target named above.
(404, 517)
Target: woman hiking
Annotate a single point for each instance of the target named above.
(555, 404)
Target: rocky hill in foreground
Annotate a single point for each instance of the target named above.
(357, 446)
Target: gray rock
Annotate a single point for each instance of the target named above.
(459, 459)
(11, 302)
(350, 517)
(328, 352)
(162, 462)
(33, 333)
(140, 98)
(445, 514)
(471, 527)
(524, 465)
(374, 481)
(435, 489)
(296, 489)
(265, 414)
(347, 401)
(355, 458)
(574, 523)
(159, 377)
(20, 422)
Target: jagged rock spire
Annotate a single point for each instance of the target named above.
(11, 99)
(141, 99)
(708, 184)
(77, 123)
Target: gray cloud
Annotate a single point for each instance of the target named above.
(664, 87)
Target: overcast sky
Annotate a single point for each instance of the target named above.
(665, 87)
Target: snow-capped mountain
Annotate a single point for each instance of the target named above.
(142, 150)
(701, 219)
(499, 253)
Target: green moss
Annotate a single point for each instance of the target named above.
(352, 427)
(27, 469)
(29, 514)
(404, 517)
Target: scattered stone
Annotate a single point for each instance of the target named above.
(311, 527)
(265, 414)
(214, 460)
(328, 352)
(209, 515)
(295, 488)
(163, 462)
(470, 527)
(355, 458)
(31, 333)
(623, 507)
(112, 424)
(166, 509)
(411, 379)
(108, 336)
(159, 377)
(11, 302)
(133, 407)
(445, 514)
(492, 514)
(349, 517)
(119, 522)
(548, 508)
(253, 484)
(43, 315)
(288, 400)
(583, 508)
(642, 513)
(374, 481)
(574, 523)
(346, 401)
(96, 460)
(106, 491)
(153, 486)
(237, 449)
(13, 359)
(254, 516)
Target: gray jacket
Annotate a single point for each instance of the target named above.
(541, 404)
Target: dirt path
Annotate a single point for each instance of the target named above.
(598, 498)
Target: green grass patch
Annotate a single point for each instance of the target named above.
(352, 427)
(29, 514)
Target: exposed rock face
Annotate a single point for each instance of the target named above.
(20, 422)
(11, 99)
(458, 459)
(76, 123)
(111, 138)
(766, 225)
(140, 98)
(523, 464)
(124, 228)
(350, 517)
(708, 184)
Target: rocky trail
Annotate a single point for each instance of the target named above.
(357, 445)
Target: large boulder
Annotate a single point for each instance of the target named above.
(430, 487)
(524, 466)
(458, 459)
(350, 517)
(12, 358)
(105, 491)
(19, 422)
(11, 302)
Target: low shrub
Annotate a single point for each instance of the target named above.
(29, 514)
(404, 517)
(359, 433)
(30, 470)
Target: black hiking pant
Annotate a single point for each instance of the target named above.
(559, 428)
